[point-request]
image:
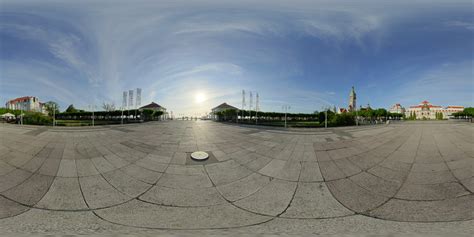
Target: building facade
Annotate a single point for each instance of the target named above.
(26, 103)
(397, 108)
(425, 110)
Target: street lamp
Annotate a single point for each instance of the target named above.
(357, 117)
(122, 116)
(93, 108)
(326, 116)
(54, 114)
(286, 108)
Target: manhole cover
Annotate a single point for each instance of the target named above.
(199, 155)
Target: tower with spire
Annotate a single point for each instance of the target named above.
(352, 100)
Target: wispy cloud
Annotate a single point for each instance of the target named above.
(303, 53)
(460, 24)
(446, 84)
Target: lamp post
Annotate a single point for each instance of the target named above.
(93, 116)
(325, 118)
(286, 108)
(54, 115)
(256, 108)
(256, 116)
(122, 116)
(21, 115)
(357, 118)
(92, 107)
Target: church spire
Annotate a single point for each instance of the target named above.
(352, 92)
(352, 100)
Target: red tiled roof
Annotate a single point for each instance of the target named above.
(20, 99)
(456, 107)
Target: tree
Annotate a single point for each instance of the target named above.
(379, 113)
(71, 109)
(51, 107)
(108, 106)
(344, 119)
(469, 111)
(148, 114)
(322, 116)
(229, 114)
(157, 113)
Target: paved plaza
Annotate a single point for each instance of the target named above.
(413, 177)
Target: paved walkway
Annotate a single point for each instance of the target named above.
(401, 178)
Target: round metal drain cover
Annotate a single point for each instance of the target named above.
(199, 155)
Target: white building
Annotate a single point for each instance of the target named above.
(397, 108)
(425, 110)
(26, 103)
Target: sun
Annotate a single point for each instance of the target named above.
(199, 97)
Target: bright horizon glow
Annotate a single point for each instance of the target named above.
(199, 98)
(303, 53)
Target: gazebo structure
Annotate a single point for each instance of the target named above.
(221, 107)
(156, 107)
(7, 116)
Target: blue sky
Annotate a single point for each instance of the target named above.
(306, 54)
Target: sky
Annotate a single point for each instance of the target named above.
(190, 56)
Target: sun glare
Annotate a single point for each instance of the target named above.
(199, 98)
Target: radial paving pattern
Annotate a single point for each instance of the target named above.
(141, 176)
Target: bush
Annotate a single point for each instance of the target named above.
(37, 119)
(5, 110)
(156, 114)
(344, 119)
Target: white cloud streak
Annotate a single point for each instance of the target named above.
(172, 49)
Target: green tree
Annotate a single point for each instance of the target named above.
(148, 114)
(322, 116)
(35, 118)
(71, 109)
(344, 119)
(108, 106)
(469, 111)
(157, 113)
(230, 113)
(51, 107)
(381, 113)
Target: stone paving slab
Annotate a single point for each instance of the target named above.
(313, 200)
(400, 178)
(273, 199)
(140, 214)
(98, 193)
